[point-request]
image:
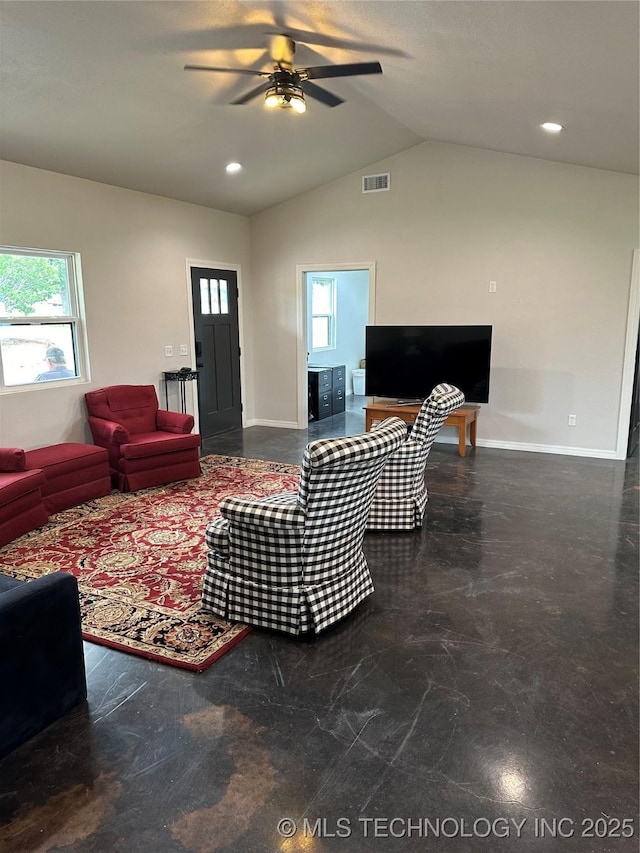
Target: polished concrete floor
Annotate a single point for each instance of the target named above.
(484, 698)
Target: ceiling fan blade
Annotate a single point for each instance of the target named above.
(346, 70)
(320, 94)
(250, 71)
(306, 38)
(259, 90)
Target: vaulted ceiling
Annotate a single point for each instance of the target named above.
(97, 89)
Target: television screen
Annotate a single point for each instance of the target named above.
(406, 362)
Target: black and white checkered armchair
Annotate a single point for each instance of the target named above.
(401, 496)
(294, 561)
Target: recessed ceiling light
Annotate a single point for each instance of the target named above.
(552, 127)
(233, 167)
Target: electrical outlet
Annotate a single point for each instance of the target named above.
(184, 349)
(168, 351)
(493, 286)
(572, 420)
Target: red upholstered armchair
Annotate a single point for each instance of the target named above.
(147, 446)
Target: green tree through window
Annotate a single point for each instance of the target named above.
(25, 281)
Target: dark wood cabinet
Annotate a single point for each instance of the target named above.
(327, 388)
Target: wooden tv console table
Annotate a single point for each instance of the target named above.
(465, 415)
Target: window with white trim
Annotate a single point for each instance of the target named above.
(42, 339)
(323, 314)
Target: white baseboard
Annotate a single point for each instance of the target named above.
(483, 442)
(279, 424)
(534, 448)
(549, 448)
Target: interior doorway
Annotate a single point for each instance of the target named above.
(347, 347)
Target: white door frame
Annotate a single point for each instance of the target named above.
(629, 363)
(301, 299)
(214, 265)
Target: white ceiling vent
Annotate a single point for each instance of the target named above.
(376, 183)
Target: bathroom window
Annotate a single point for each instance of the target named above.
(323, 314)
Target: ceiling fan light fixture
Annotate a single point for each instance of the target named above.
(285, 97)
(298, 104)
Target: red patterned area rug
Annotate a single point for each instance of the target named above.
(139, 559)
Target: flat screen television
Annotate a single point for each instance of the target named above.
(406, 362)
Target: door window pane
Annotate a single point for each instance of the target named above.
(213, 290)
(224, 297)
(204, 296)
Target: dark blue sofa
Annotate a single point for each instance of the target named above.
(41, 655)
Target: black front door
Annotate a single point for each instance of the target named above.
(215, 320)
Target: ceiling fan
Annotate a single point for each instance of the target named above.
(286, 86)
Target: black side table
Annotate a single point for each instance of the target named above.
(182, 377)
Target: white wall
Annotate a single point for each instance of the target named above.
(558, 240)
(134, 249)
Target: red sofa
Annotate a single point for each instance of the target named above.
(21, 504)
(147, 446)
